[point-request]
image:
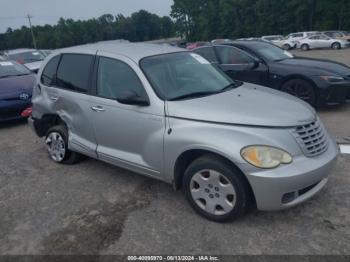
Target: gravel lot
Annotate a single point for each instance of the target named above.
(94, 208)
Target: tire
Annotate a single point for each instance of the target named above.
(56, 141)
(286, 47)
(215, 189)
(301, 89)
(336, 46)
(305, 47)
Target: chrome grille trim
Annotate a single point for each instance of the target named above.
(312, 138)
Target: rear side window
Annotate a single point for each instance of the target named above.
(115, 77)
(208, 53)
(74, 71)
(49, 73)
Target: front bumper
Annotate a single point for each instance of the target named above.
(292, 184)
(332, 93)
(12, 109)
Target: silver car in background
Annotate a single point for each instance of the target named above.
(169, 114)
(30, 58)
(322, 41)
(280, 41)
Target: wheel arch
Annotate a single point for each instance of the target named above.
(188, 156)
(46, 122)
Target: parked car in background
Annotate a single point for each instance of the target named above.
(191, 46)
(216, 41)
(31, 58)
(46, 52)
(295, 37)
(16, 86)
(173, 116)
(280, 41)
(343, 35)
(322, 41)
(317, 82)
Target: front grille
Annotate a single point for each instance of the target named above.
(312, 138)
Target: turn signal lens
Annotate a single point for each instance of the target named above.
(265, 156)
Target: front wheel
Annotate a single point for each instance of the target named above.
(336, 46)
(286, 47)
(305, 47)
(301, 89)
(215, 189)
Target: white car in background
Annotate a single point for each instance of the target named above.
(295, 37)
(322, 41)
(30, 58)
(280, 41)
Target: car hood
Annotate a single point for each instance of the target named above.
(34, 66)
(323, 65)
(246, 105)
(12, 87)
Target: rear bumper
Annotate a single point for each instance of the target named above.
(292, 184)
(11, 110)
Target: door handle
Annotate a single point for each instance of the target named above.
(98, 109)
(54, 98)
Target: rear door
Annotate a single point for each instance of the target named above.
(130, 136)
(240, 66)
(68, 97)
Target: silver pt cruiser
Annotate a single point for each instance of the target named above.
(171, 115)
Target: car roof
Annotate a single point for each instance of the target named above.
(18, 51)
(135, 51)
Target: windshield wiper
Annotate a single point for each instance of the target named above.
(232, 85)
(193, 95)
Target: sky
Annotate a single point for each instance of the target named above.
(13, 12)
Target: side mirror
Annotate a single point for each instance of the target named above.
(129, 97)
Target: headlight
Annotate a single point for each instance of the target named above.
(265, 156)
(332, 79)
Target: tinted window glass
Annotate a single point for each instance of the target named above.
(232, 56)
(115, 77)
(49, 73)
(27, 57)
(73, 72)
(208, 53)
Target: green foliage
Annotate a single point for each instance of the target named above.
(140, 26)
(209, 19)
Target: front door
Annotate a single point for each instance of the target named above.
(130, 136)
(240, 66)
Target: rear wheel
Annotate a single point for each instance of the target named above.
(215, 189)
(301, 89)
(57, 146)
(305, 47)
(336, 45)
(286, 47)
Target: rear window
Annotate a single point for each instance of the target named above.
(74, 71)
(49, 73)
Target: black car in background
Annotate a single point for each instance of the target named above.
(16, 87)
(318, 82)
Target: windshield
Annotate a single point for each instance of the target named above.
(184, 75)
(9, 68)
(272, 52)
(27, 57)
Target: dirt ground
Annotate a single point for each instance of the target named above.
(95, 208)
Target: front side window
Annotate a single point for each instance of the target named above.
(74, 71)
(184, 75)
(232, 56)
(9, 69)
(208, 53)
(115, 77)
(49, 73)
